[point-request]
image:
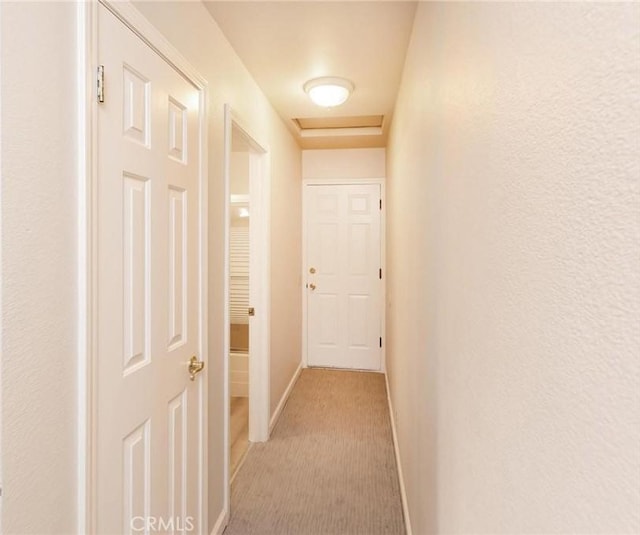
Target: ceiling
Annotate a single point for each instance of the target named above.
(284, 44)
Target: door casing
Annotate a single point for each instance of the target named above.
(343, 182)
(260, 286)
(87, 150)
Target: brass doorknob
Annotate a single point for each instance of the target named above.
(312, 286)
(195, 367)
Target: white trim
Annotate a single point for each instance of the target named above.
(383, 257)
(342, 181)
(1, 280)
(203, 303)
(87, 56)
(284, 398)
(396, 449)
(260, 296)
(221, 523)
(383, 265)
(260, 288)
(226, 336)
(303, 288)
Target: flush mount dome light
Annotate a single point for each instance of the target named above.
(328, 91)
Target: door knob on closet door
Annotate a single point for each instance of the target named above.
(312, 286)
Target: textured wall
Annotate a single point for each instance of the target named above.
(513, 262)
(39, 235)
(38, 268)
(239, 173)
(343, 163)
(190, 28)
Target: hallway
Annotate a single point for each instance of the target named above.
(329, 466)
(503, 139)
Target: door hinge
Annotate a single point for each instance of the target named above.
(380, 204)
(381, 341)
(380, 273)
(100, 83)
(252, 311)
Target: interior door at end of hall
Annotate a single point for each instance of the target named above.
(343, 276)
(148, 415)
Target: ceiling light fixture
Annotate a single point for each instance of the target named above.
(328, 91)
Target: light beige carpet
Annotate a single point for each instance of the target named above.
(329, 468)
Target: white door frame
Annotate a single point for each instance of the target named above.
(87, 61)
(305, 212)
(1, 282)
(260, 284)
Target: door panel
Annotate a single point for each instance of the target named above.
(148, 415)
(343, 284)
(178, 283)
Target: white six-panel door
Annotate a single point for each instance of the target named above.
(343, 276)
(148, 410)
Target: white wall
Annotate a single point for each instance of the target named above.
(38, 268)
(343, 163)
(513, 323)
(39, 190)
(239, 173)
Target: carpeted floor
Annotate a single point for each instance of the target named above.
(329, 468)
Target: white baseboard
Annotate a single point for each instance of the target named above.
(285, 397)
(221, 523)
(396, 448)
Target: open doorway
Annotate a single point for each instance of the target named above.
(247, 291)
(239, 282)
